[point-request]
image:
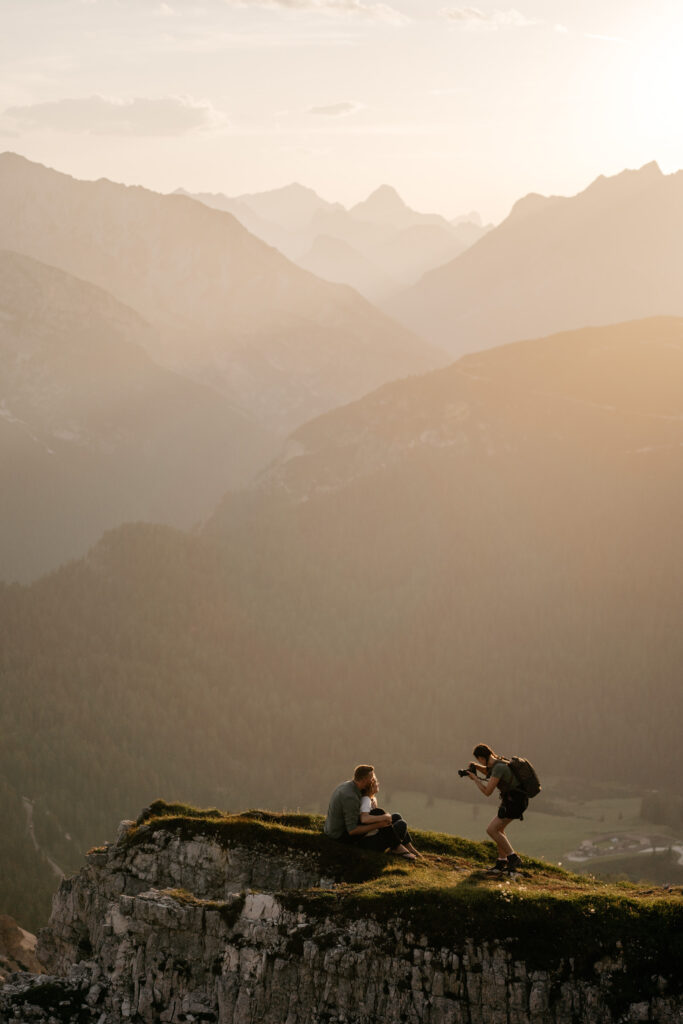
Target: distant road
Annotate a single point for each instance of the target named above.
(28, 808)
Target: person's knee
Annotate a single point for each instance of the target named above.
(493, 830)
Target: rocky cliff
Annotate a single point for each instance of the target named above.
(198, 916)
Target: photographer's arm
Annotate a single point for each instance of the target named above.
(486, 787)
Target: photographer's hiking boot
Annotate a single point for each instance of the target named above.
(514, 862)
(499, 868)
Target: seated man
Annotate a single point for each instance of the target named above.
(343, 817)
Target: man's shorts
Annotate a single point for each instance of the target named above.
(513, 805)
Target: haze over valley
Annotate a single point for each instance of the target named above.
(378, 246)
(252, 344)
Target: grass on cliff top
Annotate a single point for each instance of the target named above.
(448, 861)
(300, 832)
(543, 916)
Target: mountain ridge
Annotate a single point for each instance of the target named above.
(92, 431)
(230, 311)
(503, 379)
(605, 255)
(375, 227)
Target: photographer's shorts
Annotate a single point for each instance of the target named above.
(513, 805)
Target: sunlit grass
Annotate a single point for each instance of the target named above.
(447, 862)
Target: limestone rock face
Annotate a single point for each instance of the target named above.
(172, 928)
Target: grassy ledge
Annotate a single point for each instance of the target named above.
(547, 917)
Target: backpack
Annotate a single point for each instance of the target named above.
(525, 774)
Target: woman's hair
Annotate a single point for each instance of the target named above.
(483, 750)
(362, 772)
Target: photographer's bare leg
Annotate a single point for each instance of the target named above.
(496, 830)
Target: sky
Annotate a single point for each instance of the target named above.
(458, 107)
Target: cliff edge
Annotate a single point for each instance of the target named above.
(256, 917)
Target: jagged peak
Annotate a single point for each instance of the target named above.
(529, 203)
(9, 158)
(628, 178)
(473, 217)
(648, 172)
(652, 168)
(385, 196)
(294, 189)
(8, 155)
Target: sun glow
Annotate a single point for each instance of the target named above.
(657, 92)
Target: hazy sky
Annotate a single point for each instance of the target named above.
(459, 107)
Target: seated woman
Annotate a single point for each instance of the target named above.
(369, 808)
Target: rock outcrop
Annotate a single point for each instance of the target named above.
(243, 920)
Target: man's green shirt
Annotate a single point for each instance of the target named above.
(344, 811)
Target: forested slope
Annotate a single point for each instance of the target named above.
(485, 553)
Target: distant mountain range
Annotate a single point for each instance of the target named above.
(139, 330)
(228, 310)
(377, 246)
(487, 552)
(612, 253)
(93, 433)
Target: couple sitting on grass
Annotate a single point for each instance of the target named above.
(354, 817)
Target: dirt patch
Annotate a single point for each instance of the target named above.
(17, 949)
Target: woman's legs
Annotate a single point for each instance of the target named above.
(401, 828)
(496, 830)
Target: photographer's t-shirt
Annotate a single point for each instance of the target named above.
(504, 772)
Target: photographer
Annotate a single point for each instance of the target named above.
(513, 802)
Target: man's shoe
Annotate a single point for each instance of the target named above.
(499, 868)
(514, 862)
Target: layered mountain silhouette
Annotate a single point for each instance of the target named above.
(291, 208)
(92, 431)
(611, 253)
(279, 217)
(228, 310)
(376, 246)
(490, 550)
(613, 392)
(386, 208)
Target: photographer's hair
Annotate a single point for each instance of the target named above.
(483, 750)
(362, 772)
